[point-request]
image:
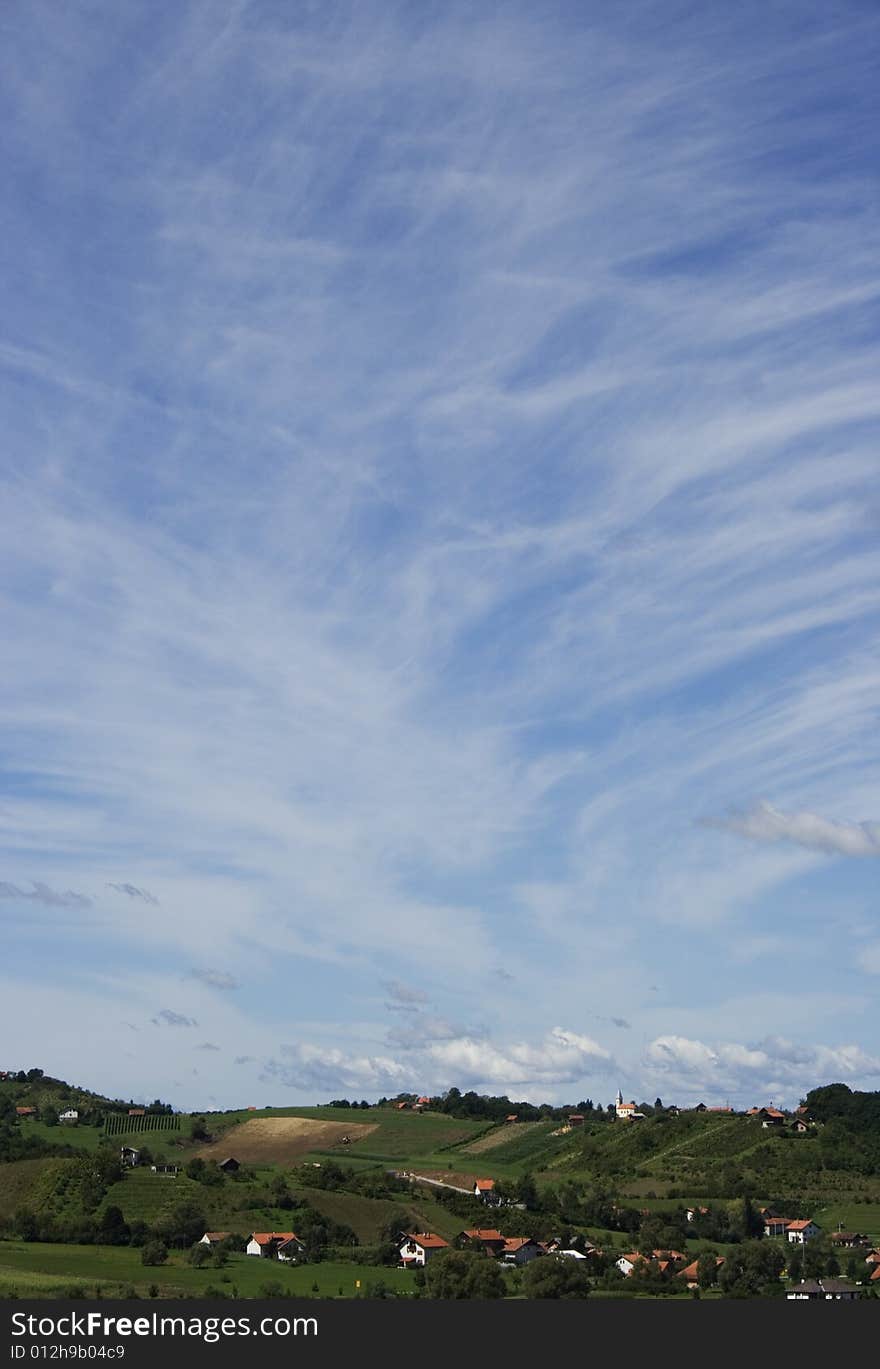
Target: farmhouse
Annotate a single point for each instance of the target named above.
(213, 1238)
(776, 1226)
(849, 1240)
(484, 1189)
(25, 1112)
(492, 1242)
(170, 1170)
(418, 1249)
(229, 1166)
(292, 1251)
(770, 1117)
(800, 1232)
(71, 1117)
(689, 1273)
(823, 1290)
(266, 1243)
(520, 1250)
(575, 1119)
(129, 1156)
(692, 1213)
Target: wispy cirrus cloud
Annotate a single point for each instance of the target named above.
(765, 823)
(133, 891)
(412, 527)
(42, 893)
(167, 1018)
(215, 979)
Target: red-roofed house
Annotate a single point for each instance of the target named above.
(799, 1232)
(25, 1112)
(213, 1238)
(492, 1241)
(266, 1243)
(776, 1226)
(512, 1117)
(771, 1117)
(484, 1189)
(689, 1273)
(416, 1250)
(520, 1250)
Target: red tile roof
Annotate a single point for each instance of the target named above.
(487, 1184)
(799, 1225)
(428, 1240)
(479, 1234)
(264, 1237)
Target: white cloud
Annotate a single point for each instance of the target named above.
(748, 1073)
(763, 822)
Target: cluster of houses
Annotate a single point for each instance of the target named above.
(417, 1248)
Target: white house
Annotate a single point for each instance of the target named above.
(71, 1116)
(799, 1232)
(213, 1238)
(417, 1249)
(266, 1243)
(627, 1263)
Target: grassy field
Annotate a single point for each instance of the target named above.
(50, 1268)
(864, 1217)
(17, 1182)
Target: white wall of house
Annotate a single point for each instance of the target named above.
(253, 1248)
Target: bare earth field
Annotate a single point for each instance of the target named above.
(500, 1137)
(281, 1140)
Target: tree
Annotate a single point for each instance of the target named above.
(527, 1191)
(461, 1274)
(556, 1277)
(707, 1270)
(200, 1255)
(113, 1228)
(49, 1115)
(199, 1129)
(154, 1252)
(182, 1225)
(195, 1169)
(25, 1223)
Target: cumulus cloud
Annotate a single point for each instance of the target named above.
(752, 1072)
(328, 1069)
(167, 1018)
(439, 1060)
(562, 1057)
(41, 893)
(215, 979)
(133, 891)
(765, 823)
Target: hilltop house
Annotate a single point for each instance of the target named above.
(137, 1112)
(416, 1250)
(770, 1117)
(71, 1117)
(484, 1189)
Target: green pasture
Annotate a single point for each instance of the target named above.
(245, 1275)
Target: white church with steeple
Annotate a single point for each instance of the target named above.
(625, 1111)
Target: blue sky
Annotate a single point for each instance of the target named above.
(440, 576)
